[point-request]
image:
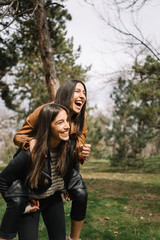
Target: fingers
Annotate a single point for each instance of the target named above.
(34, 202)
(34, 208)
(85, 150)
(34, 205)
(87, 145)
(66, 197)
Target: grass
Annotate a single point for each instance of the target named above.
(121, 205)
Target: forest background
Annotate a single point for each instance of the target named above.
(38, 52)
(36, 55)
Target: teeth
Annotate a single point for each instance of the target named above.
(79, 102)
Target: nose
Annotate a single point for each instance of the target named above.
(82, 95)
(67, 126)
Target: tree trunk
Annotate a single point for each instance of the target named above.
(46, 49)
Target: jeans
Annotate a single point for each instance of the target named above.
(53, 215)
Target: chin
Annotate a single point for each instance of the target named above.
(77, 110)
(65, 138)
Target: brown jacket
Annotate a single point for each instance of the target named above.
(23, 136)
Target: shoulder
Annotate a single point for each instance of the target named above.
(38, 109)
(21, 155)
(25, 152)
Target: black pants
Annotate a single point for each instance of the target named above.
(27, 224)
(53, 215)
(16, 206)
(78, 195)
(77, 191)
(9, 224)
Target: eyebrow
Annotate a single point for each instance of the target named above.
(59, 120)
(80, 89)
(62, 120)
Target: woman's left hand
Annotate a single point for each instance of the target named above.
(85, 150)
(32, 206)
(66, 196)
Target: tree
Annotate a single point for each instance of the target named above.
(136, 116)
(122, 4)
(122, 123)
(7, 124)
(123, 17)
(31, 44)
(46, 47)
(95, 135)
(19, 10)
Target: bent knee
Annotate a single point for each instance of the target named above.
(17, 202)
(79, 194)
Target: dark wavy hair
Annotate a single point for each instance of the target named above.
(41, 133)
(64, 96)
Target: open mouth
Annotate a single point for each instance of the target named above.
(65, 133)
(79, 103)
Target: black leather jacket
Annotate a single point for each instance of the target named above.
(12, 178)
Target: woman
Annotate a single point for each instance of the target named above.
(41, 176)
(71, 94)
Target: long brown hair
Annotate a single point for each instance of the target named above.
(64, 96)
(41, 133)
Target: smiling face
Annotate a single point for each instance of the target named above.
(78, 99)
(59, 128)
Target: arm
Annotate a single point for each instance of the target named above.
(81, 139)
(82, 149)
(23, 136)
(16, 169)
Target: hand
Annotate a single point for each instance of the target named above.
(84, 150)
(31, 145)
(32, 206)
(66, 196)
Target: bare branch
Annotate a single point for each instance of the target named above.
(18, 15)
(88, 2)
(127, 33)
(125, 5)
(7, 10)
(119, 25)
(16, 8)
(5, 3)
(58, 4)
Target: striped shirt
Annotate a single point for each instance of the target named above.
(57, 180)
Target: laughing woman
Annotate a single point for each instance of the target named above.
(71, 94)
(42, 177)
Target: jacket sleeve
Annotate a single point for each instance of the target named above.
(24, 135)
(16, 169)
(81, 139)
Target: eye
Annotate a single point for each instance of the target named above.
(59, 122)
(76, 90)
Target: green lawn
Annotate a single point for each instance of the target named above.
(121, 205)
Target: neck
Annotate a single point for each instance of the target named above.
(54, 145)
(71, 113)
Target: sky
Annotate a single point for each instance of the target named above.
(99, 49)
